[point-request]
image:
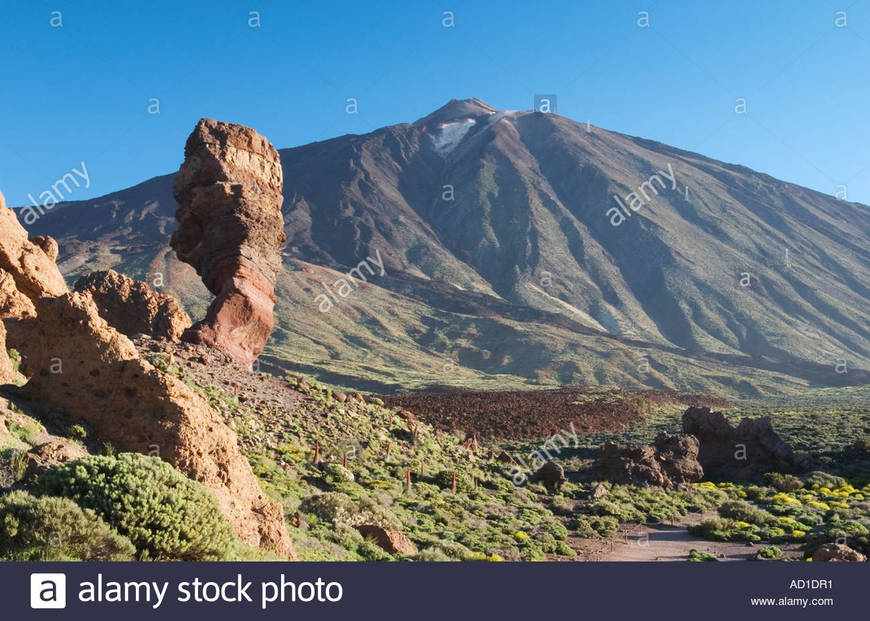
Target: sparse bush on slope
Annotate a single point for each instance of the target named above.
(166, 515)
(56, 529)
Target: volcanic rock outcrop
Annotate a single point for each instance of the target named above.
(89, 370)
(132, 307)
(230, 229)
(670, 462)
(744, 452)
(27, 272)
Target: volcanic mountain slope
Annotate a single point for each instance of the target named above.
(504, 261)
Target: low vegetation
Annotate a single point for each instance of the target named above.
(56, 529)
(336, 463)
(164, 514)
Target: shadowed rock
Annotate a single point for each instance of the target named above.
(670, 462)
(744, 452)
(132, 307)
(231, 230)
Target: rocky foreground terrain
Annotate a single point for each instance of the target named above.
(129, 431)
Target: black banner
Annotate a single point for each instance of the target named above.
(441, 591)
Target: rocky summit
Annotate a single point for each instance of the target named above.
(230, 229)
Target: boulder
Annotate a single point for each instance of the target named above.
(833, 552)
(132, 307)
(230, 229)
(95, 374)
(49, 454)
(551, 473)
(393, 541)
(744, 452)
(600, 491)
(670, 462)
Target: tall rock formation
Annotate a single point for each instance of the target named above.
(86, 368)
(231, 231)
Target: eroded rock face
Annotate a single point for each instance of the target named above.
(132, 307)
(231, 231)
(670, 462)
(95, 374)
(744, 452)
(27, 272)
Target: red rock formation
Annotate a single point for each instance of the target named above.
(27, 272)
(132, 307)
(87, 368)
(231, 230)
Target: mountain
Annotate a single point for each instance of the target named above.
(516, 248)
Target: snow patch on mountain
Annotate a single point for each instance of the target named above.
(448, 135)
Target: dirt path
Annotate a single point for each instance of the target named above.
(664, 542)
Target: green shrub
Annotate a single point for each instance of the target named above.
(15, 358)
(56, 529)
(851, 533)
(768, 553)
(782, 482)
(13, 465)
(77, 432)
(588, 526)
(697, 556)
(721, 529)
(340, 509)
(336, 473)
(444, 480)
(166, 515)
(745, 512)
(554, 528)
(823, 479)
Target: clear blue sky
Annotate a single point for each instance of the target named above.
(80, 92)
